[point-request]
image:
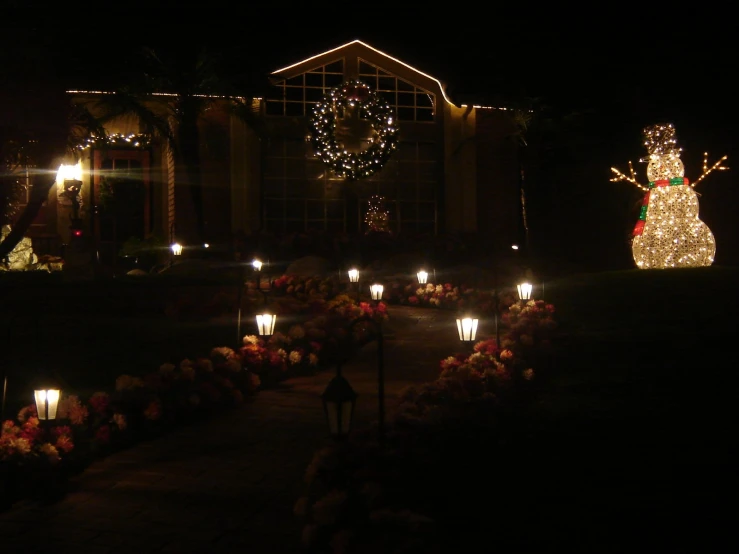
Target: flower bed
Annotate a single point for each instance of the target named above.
(36, 457)
(454, 445)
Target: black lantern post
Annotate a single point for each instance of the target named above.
(339, 400)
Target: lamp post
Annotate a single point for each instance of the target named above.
(423, 277)
(467, 329)
(380, 370)
(524, 292)
(354, 278)
(176, 249)
(47, 402)
(339, 400)
(376, 292)
(266, 324)
(257, 265)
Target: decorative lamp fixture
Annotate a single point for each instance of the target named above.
(339, 400)
(266, 324)
(376, 291)
(467, 327)
(514, 247)
(47, 402)
(524, 291)
(176, 248)
(422, 277)
(353, 275)
(257, 265)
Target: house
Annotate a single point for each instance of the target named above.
(439, 166)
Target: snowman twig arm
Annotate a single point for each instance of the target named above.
(707, 170)
(621, 177)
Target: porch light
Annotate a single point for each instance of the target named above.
(176, 248)
(257, 265)
(47, 402)
(376, 291)
(422, 277)
(339, 400)
(524, 291)
(353, 275)
(467, 328)
(266, 324)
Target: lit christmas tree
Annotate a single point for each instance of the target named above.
(377, 217)
(669, 233)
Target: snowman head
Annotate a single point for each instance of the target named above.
(665, 166)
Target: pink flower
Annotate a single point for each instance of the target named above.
(103, 434)
(64, 443)
(153, 411)
(99, 402)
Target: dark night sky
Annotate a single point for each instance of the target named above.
(619, 70)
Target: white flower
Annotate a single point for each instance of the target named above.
(295, 357)
(281, 353)
(166, 369)
(421, 291)
(251, 339)
(439, 289)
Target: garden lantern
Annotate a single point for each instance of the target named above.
(339, 400)
(266, 324)
(422, 277)
(176, 248)
(524, 291)
(353, 275)
(257, 265)
(467, 327)
(47, 402)
(376, 291)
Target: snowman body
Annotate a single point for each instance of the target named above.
(669, 232)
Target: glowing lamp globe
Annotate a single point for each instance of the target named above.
(524, 291)
(266, 324)
(353, 275)
(376, 291)
(467, 328)
(339, 400)
(422, 277)
(47, 402)
(176, 248)
(257, 265)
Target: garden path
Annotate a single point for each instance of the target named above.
(227, 484)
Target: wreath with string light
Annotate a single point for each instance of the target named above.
(354, 165)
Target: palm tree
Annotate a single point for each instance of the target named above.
(170, 99)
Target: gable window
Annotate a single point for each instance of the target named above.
(296, 96)
(410, 102)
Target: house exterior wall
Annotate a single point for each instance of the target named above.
(454, 170)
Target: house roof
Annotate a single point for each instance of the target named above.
(471, 100)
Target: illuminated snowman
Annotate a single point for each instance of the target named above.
(669, 232)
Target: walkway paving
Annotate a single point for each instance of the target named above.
(227, 484)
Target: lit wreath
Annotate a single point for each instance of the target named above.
(375, 109)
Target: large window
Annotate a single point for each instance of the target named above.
(296, 97)
(409, 183)
(300, 194)
(410, 102)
